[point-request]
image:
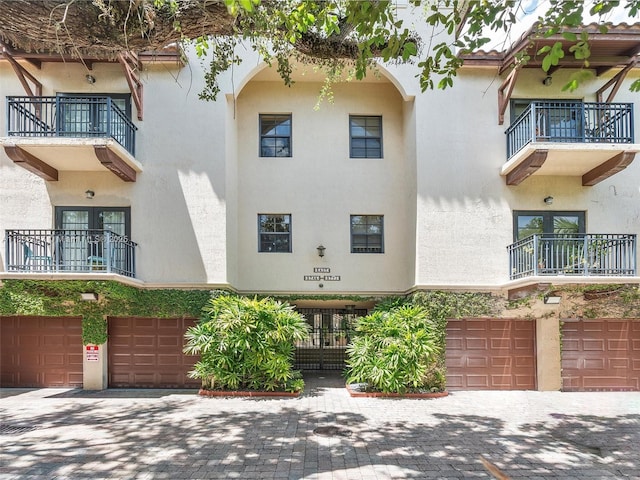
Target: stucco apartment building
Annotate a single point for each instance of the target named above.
(503, 185)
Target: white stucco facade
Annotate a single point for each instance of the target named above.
(448, 213)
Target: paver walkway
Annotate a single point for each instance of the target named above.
(165, 434)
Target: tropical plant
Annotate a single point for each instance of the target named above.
(247, 344)
(395, 350)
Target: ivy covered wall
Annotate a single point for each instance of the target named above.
(62, 298)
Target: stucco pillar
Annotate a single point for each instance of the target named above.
(94, 367)
(548, 359)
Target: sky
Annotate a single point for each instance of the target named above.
(532, 9)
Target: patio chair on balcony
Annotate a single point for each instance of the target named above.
(98, 262)
(36, 262)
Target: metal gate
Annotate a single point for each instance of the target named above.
(331, 331)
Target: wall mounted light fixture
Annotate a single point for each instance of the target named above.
(89, 194)
(548, 200)
(90, 79)
(321, 250)
(547, 80)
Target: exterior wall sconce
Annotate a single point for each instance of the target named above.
(89, 297)
(321, 250)
(547, 80)
(90, 79)
(552, 299)
(548, 200)
(89, 194)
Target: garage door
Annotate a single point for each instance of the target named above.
(147, 353)
(601, 355)
(40, 352)
(484, 354)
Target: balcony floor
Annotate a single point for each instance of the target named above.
(593, 162)
(46, 156)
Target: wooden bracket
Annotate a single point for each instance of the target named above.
(114, 163)
(527, 168)
(608, 168)
(504, 93)
(33, 164)
(23, 75)
(132, 68)
(615, 82)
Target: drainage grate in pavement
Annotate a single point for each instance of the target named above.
(332, 431)
(8, 429)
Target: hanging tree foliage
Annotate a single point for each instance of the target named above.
(332, 33)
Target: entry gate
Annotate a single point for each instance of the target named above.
(330, 332)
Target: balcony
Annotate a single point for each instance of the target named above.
(573, 254)
(46, 135)
(591, 140)
(69, 251)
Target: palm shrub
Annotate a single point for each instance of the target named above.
(247, 343)
(395, 350)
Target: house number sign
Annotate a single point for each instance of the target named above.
(318, 278)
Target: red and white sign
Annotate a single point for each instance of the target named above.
(93, 353)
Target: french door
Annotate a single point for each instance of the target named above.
(82, 242)
(87, 115)
(559, 237)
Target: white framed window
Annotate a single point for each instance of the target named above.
(275, 135)
(274, 232)
(367, 233)
(365, 136)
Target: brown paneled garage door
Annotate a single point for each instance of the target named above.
(147, 353)
(40, 352)
(601, 355)
(491, 354)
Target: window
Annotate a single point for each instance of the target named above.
(274, 232)
(275, 135)
(365, 136)
(367, 234)
(528, 223)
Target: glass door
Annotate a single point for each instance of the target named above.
(560, 239)
(81, 238)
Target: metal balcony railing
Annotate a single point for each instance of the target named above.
(573, 254)
(69, 251)
(63, 116)
(571, 122)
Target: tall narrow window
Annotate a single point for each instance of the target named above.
(367, 234)
(274, 232)
(365, 136)
(275, 135)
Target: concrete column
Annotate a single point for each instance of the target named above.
(94, 367)
(548, 359)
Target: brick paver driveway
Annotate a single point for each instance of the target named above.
(164, 434)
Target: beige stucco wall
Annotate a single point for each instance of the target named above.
(320, 186)
(448, 213)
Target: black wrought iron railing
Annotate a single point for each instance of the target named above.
(70, 116)
(573, 254)
(69, 251)
(571, 122)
